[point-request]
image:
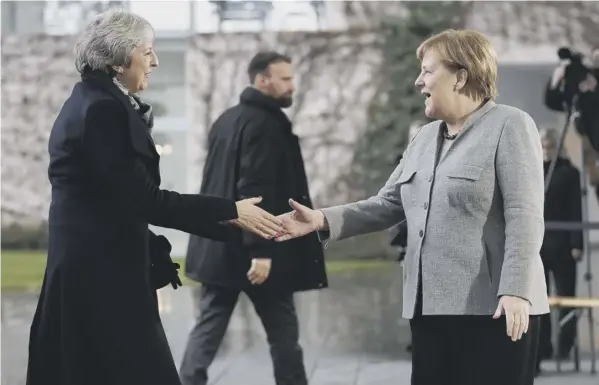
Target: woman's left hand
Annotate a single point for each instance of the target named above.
(517, 312)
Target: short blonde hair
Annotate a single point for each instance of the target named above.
(468, 50)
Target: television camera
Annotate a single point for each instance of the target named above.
(575, 73)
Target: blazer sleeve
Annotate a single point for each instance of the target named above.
(106, 149)
(575, 206)
(367, 216)
(519, 172)
(258, 178)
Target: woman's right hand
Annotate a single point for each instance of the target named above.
(301, 221)
(252, 218)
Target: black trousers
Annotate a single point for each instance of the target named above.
(279, 318)
(471, 350)
(563, 270)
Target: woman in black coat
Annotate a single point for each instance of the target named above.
(97, 320)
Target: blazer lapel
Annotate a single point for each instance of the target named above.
(475, 117)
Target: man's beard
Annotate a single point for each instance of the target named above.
(285, 101)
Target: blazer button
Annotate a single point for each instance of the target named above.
(425, 205)
(430, 178)
(421, 233)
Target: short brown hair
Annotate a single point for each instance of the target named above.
(261, 62)
(468, 50)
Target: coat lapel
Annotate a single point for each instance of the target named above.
(141, 139)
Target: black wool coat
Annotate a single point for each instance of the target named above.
(562, 204)
(97, 320)
(252, 152)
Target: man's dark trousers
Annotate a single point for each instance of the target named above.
(276, 310)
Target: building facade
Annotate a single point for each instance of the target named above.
(523, 71)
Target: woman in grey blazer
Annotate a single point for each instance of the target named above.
(471, 187)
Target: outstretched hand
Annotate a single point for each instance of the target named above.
(253, 218)
(301, 221)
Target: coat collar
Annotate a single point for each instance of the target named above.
(478, 114)
(471, 121)
(104, 81)
(251, 96)
(140, 132)
(475, 116)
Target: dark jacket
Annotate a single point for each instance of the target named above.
(97, 321)
(562, 203)
(588, 107)
(253, 152)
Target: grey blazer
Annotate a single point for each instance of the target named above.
(475, 217)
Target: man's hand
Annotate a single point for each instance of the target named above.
(558, 75)
(259, 271)
(576, 254)
(517, 314)
(589, 84)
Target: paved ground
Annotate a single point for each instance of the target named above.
(352, 335)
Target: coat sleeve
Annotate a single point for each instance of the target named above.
(575, 206)
(106, 149)
(519, 172)
(376, 213)
(258, 178)
(160, 248)
(554, 98)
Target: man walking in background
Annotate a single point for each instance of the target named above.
(253, 152)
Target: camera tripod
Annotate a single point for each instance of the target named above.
(585, 226)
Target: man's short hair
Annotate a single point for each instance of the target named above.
(262, 60)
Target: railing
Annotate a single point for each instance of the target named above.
(578, 306)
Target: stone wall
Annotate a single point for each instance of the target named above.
(336, 76)
(38, 74)
(335, 73)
